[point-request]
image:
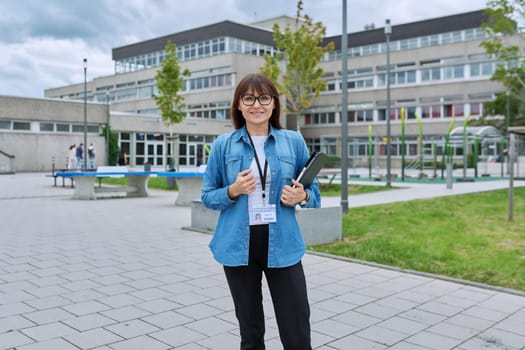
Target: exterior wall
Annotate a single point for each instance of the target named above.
(35, 150)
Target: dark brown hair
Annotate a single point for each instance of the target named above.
(262, 85)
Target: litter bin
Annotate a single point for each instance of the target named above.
(147, 167)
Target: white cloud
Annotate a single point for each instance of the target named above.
(43, 45)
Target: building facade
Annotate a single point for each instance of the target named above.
(438, 71)
(36, 133)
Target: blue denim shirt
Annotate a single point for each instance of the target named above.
(286, 154)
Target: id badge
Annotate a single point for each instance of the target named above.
(263, 215)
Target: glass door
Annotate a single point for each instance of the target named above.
(155, 153)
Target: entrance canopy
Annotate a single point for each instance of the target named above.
(517, 130)
(483, 132)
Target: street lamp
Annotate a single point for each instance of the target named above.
(107, 127)
(388, 31)
(507, 137)
(85, 115)
(344, 115)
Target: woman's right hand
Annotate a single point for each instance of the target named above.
(244, 184)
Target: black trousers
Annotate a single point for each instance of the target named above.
(288, 291)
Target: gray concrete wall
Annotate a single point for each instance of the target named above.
(318, 226)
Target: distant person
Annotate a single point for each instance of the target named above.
(122, 158)
(71, 157)
(91, 156)
(79, 155)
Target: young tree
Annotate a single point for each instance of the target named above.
(505, 41)
(170, 82)
(301, 51)
(113, 144)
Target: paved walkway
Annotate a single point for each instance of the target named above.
(121, 274)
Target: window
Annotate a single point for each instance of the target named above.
(475, 108)
(366, 115)
(5, 124)
(431, 74)
(47, 127)
(453, 72)
(62, 127)
(21, 126)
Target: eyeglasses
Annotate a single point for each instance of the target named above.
(249, 99)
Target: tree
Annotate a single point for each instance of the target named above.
(495, 112)
(301, 51)
(170, 82)
(505, 41)
(113, 144)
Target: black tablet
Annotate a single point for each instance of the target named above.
(312, 168)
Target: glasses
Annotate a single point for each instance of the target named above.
(249, 99)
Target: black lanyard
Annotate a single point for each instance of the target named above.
(262, 174)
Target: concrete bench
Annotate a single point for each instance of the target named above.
(189, 183)
(330, 174)
(85, 183)
(55, 176)
(318, 225)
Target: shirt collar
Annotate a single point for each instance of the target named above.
(242, 134)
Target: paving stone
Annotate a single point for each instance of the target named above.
(177, 336)
(333, 328)
(221, 341)
(84, 323)
(14, 339)
(140, 343)
(125, 313)
(167, 320)
(14, 309)
(433, 341)
(211, 326)
(381, 335)
(132, 328)
(354, 342)
(85, 308)
(48, 331)
(93, 338)
(15, 322)
(49, 315)
(158, 305)
(48, 302)
(54, 344)
(120, 300)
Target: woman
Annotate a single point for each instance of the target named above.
(71, 157)
(250, 179)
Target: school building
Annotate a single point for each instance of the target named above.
(438, 70)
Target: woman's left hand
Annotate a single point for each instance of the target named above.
(292, 195)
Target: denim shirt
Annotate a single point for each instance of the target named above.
(286, 154)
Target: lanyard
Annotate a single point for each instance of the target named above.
(262, 175)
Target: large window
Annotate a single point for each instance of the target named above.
(453, 72)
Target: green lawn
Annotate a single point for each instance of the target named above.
(466, 237)
(159, 183)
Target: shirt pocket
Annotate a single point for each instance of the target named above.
(233, 167)
(287, 165)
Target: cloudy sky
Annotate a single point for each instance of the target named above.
(43, 42)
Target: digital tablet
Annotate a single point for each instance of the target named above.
(312, 168)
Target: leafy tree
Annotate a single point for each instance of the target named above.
(113, 145)
(170, 82)
(301, 51)
(495, 112)
(505, 41)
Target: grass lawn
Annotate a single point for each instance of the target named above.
(466, 237)
(159, 183)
